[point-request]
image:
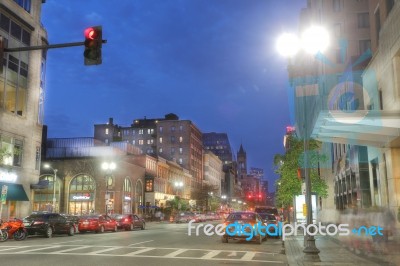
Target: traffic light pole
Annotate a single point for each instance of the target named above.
(45, 47)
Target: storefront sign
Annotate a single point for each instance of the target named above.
(81, 197)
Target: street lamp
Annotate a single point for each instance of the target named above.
(54, 184)
(314, 40)
(109, 167)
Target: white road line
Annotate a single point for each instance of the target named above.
(175, 253)
(140, 243)
(30, 250)
(139, 251)
(11, 248)
(59, 243)
(103, 250)
(67, 250)
(248, 256)
(211, 254)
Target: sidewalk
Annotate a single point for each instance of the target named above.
(334, 252)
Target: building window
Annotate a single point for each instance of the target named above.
(337, 5)
(150, 131)
(172, 151)
(160, 150)
(180, 150)
(133, 142)
(81, 195)
(25, 4)
(180, 139)
(160, 139)
(140, 131)
(150, 141)
(172, 139)
(37, 158)
(160, 129)
(180, 161)
(141, 142)
(180, 128)
(173, 129)
(377, 23)
(364, 45)
(17, 158)
(13, 150)
(363, 20)
(106, 131)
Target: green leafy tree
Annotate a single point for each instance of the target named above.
(203, 196)
(287, 166)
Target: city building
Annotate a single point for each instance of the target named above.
(21, 103)
(175, 140)
(219, 144)
(213, 172)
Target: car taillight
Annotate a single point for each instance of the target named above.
(126, 220)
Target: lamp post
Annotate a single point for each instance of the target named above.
(178, 186)
(54, 184)
(108, 167)
(314, 40)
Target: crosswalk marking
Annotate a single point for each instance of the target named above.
(175, 253)
(123, 251)
(103, 250)
(30, 250)
(211, 254)
(139, 251)
(248, 256)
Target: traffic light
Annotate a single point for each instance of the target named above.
(93, 42)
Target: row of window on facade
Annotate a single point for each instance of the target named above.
(82, 194)
(150, 131)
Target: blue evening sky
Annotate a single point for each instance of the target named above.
(213, 62)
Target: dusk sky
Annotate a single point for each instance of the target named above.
(213, 62)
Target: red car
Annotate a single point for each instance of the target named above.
(98, 223)
(129, 221)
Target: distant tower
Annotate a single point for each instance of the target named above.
(242, 163)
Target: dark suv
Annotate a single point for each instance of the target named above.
(129, 221)
(48, 224)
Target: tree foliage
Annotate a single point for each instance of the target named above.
(287, 166)
(202, 195)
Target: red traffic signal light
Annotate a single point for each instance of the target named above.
(93, 43)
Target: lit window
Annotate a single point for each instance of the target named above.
(180, 139)
(160, 140)
(106, 131)
(140, 131)
(141, 142)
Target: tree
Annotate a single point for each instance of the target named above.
(287, 166)
(203, 196)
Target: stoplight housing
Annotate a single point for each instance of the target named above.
(93, 43)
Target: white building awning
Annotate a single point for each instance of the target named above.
(364, 127)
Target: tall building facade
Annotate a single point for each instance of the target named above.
(242, 163)
(21, 103)
(175, 140)
(328, 88)
(219, 144)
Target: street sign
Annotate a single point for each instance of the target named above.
(4, 189)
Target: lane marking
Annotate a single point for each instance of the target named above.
(103, 250)
(66, 242)
(70, 249)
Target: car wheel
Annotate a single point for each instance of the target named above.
(71, 231)
(259, 239)
(224, 239)
(49, 232)
(143, 226)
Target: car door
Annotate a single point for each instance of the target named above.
(136, 221)
(108, 223)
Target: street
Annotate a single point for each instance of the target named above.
(166, 243)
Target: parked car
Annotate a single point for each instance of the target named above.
(129, 221)
(98, 223)
(48, 224)
(199, 217)
(243, 218)
(73, 219)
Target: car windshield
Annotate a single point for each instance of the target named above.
(267, 216)
(37, 217)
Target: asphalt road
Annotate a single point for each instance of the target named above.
(160, 244)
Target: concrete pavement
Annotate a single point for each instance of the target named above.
(336, 251)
